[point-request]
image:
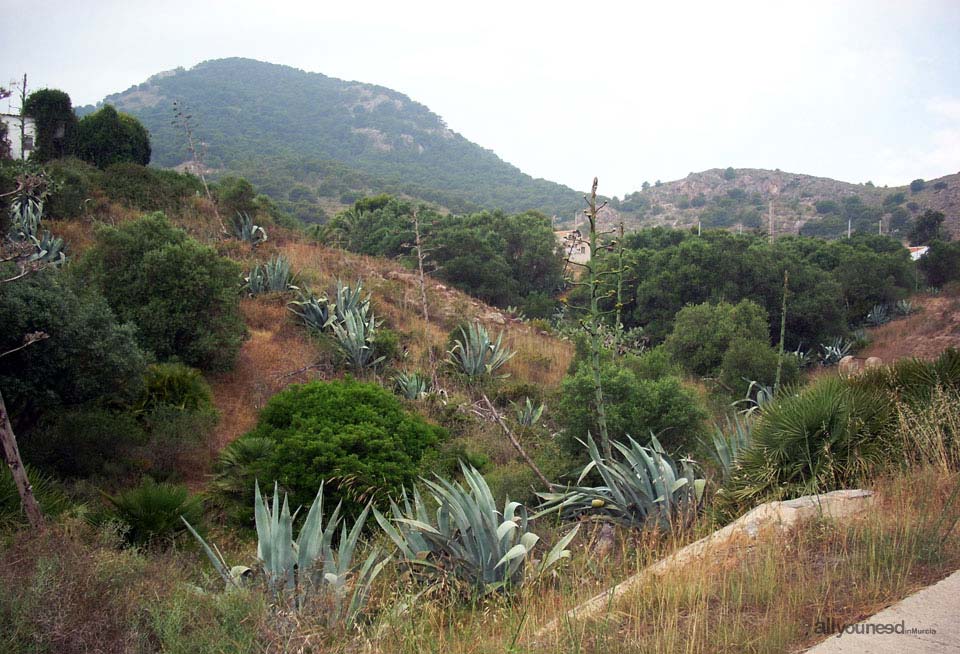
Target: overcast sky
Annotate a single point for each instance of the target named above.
(633, 91)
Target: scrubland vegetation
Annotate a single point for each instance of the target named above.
(194, 378)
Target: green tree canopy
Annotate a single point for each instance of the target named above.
(181, 294)
(702, 333)
(107, 137)
(87, 356)
(56, 123)
(928, 227)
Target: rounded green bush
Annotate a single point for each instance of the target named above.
(356, 437)
(634, 407)
(748, 360)
(175, 385)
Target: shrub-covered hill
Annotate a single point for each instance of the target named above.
(311, 139)
(278, 351)
(814, 206)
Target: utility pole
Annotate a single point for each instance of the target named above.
(23, 118)
(849, 226)
(771, 220)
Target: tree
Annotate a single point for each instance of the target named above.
(86, 354)
(181, 294)
(941, 263)
(928, 227)
(107, 137)
(56, 123)
(917, 185)
(702, 333)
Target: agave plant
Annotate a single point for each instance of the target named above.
(349, 299)
(246, 231)
(756, 397)
(835, 350)
(25, 216)
(476, 355)
(412, 386)
(49, 249)
(645, 488)
(527, 414)
(274, 276)
(315, 312)
(310, 567)
(904, 307)
(878, 315)
(729, 441)
(467, 539)
(355, 334)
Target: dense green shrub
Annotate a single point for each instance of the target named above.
(702, 333)
(175, 385)
(152, 512)
(107, 137)
(355, 436)
(748, 360)
(182, 295)
(149, 189)
(75, 184)
(236, 195)
(653, 364)
(85, 442)
(88, 356)
(56, 123)
(634, 407)
(823, 438)
(941, 264)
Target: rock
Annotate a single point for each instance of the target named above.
(495, 317)
(873, 362)
(848, 366)
(776, 517)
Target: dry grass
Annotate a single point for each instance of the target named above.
(768, 600)
(276, 354)
(925, 334)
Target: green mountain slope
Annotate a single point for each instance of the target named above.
(308, 139)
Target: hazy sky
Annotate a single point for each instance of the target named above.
(632, 91)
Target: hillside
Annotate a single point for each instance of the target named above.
(816, 206)
(315, 141)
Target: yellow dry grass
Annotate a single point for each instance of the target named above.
(269, 360)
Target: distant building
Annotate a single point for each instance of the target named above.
(18, 149)
(917, 251)
(575, 248)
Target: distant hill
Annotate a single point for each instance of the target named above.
(310, 140)
(817, 206)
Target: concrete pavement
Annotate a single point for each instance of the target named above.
(926, 622)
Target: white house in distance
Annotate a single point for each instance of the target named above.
(18, 149)
(575, 248)
(917, 251)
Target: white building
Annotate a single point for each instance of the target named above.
(18, 149)
(575, 248)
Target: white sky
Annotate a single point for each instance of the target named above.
(633, 91)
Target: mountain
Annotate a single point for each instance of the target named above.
(816, 206)
(311, 141)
